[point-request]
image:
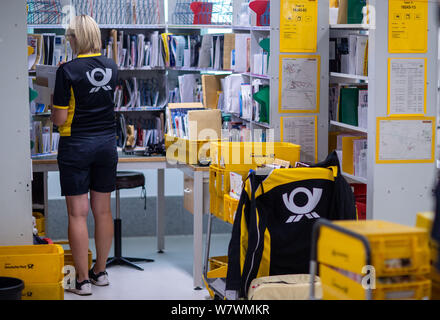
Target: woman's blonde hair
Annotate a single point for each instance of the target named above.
(86, 33)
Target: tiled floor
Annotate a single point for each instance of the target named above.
(169, 277)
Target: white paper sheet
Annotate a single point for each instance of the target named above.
(299, 83)
(405, 140)
(407, 86)
(302, 131)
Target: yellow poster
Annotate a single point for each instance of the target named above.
(298, 25)
(408, 26)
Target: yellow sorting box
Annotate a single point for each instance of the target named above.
(218, 268)
(40, 223)
(395, 249)
(339, 286)
(68, 258)
(219, 186)
(230, 207)
(43, 291)
(33, 264)
(230, 154)
(185, 150)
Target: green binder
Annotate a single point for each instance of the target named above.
(262, 97)
(348, 106)
(354, 11)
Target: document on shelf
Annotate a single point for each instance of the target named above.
(405, 140)
(407, 86)
(303, 131)
(298, 25)
(299, 83)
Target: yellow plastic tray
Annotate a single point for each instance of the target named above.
(68, 258)
(395, 249)
(337, 286)
(230, 154)
(230, 208)
(218, 268)
(219, 186)
(40, 223)
(33, 264)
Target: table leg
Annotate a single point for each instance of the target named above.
(198, 230)
(160, 210)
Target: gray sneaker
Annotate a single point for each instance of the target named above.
(81, 288)
(100, 279)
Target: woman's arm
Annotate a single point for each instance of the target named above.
(58, 116)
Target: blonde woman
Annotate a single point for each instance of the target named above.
(83, 110)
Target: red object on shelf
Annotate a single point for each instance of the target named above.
(48, 240)
(361, 210)
(259, 7)
(202, 12)
(360, 198)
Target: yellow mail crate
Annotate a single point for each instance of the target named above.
(218, 268)
(33, 264)
(68, 258)
(219, 186)
(395, 249)
(230, 206)
(229, 155)
(40, 223)
(337, 286)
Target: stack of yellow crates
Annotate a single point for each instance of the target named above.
(39, 266)
(425, 220)
(240, 157)
(373, 260)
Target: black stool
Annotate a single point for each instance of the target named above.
(125, 180)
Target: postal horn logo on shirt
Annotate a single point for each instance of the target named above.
(306, 210)
(99, 79)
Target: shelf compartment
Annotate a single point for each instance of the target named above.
(348, 126)
(350, 26)
(348, 76)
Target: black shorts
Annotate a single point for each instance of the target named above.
(87, 163)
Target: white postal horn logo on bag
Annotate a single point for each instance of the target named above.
(107, 76)
(306, 210)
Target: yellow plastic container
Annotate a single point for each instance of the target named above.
(395, 249)
(219, 186)
(337, 286)
(40, 223)
(68, 258)
(186, 151)
(425, 220)
(230, 206)
(230, 154)
(43, 291)
(218, 268)
(33, 264)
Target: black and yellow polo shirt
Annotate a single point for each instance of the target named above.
(85, 87)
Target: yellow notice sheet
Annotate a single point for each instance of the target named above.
(302, 130)
(408, 26)
(405, 140)
(298, 25)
